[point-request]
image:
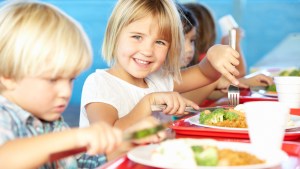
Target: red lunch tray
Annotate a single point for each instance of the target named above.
(182, 127)
(185, 128)
(244, 99)
(291, 148)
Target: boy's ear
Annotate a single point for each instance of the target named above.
(8, 83)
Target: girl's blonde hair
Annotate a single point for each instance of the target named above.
(169, 23)
(37, 37)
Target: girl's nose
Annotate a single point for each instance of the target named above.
(146, 49)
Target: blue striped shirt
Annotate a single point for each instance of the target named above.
(18, 123)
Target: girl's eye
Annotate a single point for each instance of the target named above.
(137, 37)
(53, 80)
(161, 43)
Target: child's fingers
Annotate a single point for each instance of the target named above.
(182, 106)
(103, 138)
(231, 78)
(242, 85)
(173, 104)
(113, 139)
(231, 69)
(192, 104)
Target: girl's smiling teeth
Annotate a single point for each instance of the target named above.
(141, 61)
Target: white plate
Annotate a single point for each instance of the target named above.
(262, 90)
(142, 155)
(195, 120)
(266, 93)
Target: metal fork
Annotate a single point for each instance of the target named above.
(232, 38)
(233, 95)
(233, 91)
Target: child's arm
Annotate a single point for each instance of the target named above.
(174, 101)
(221, 59)
(200, 94)
(257, 80)
(35, 151)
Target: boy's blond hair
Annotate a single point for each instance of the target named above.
(37, 37)
(128, 11)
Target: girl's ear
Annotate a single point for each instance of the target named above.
(8, 83)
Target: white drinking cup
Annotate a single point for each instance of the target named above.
(266, 124)
(288, 90)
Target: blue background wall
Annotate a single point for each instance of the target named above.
(265, 22)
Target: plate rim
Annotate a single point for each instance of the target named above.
(132, 157)
(234, 128)
(262, 91)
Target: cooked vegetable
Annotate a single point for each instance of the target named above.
(230, 116)
(192, 153)
(271, 88)
(213, 117)
(291, 72)
(218, 116)
(294, 73)
(147, 132)
(205, 157)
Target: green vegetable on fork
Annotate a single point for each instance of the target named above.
(146, 132)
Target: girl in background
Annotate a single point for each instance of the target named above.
(205, 38)
(207, 35)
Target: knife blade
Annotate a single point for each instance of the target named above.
(161, 107)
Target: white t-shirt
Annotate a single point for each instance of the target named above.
(101, 86)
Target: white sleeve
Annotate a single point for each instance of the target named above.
(95, 89)
(161, 82)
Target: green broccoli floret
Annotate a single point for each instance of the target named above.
(292, 72)
(203, 117)
(197, 149)
(295, 72)
(284, 73)
(230, 116)
(219, 111)
(207, 157)
(271, 88)
(213, 117)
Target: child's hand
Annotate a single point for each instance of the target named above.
(175, 103)
(99, 138)
(258, 80)
(239, 36)
(224, 59)
(223, 84)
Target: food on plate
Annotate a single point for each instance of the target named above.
(223, 118)
(288, 72)
(191, 153)
(241, 108)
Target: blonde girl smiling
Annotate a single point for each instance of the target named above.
(143, 44)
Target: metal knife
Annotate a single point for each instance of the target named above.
(161, 107)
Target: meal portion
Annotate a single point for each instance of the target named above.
(229, 117)
(223, 118)
(190, 153)
(289, 72)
